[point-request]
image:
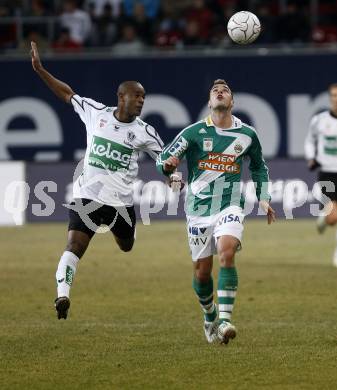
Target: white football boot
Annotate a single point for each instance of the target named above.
(211, 331)
(226, 331)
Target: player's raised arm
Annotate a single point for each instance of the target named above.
(61, 89)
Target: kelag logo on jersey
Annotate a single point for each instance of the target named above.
(219, 162)
(107, 154)
(178, 148)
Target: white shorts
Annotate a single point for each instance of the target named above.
(204, 231)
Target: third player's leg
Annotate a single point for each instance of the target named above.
(330, 219)
(328, 215)
(331, 209)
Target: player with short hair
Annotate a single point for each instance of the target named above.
(321, 152)
(214, 149)
(103, 191)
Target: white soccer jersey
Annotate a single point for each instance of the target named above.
(321, 141)
(110, 163)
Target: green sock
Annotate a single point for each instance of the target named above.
(204, 293)
(227, 286)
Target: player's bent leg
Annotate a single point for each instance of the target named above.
(203, 287)
(125, 244)
(76, 246)
(124, 228)
(227, 285)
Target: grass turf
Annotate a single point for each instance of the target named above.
(134, 322)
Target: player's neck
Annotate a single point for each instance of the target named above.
(222, 119)
(123, 116)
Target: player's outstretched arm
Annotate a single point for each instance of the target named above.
(61, 89)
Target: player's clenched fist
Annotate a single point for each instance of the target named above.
(171, 164)
(36, 62)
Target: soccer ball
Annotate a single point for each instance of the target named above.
(244, 27)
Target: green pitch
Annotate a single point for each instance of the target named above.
(134, 322)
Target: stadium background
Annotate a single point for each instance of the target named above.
(134, 322)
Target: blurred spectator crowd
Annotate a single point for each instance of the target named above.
(130, 26)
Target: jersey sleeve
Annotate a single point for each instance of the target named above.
(259, 169)
(86, 108)
(153, 144)
(310, 143)
(176, 148)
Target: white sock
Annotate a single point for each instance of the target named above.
(321, 217)
(65, 273)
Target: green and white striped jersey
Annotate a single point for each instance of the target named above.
(214, 160)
